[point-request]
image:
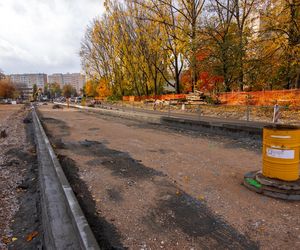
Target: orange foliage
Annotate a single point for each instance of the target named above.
(202, 55)
(7, 89)
(186, 81)
(90, 88)
(208, 82)
(96, 88)
(103, 89)
(158, 97)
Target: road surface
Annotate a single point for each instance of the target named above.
(151, 187)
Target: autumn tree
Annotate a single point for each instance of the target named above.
(68, 91)
(34, 92)
(7, 89)
(103, 90)
(220, 43)
(190, 12)
(123, 48)
(90, 88)
(138, 46)
(54, 89)
(281, 36)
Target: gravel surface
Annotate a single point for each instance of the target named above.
(18, 181)
(151, 187)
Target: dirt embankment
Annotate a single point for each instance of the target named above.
(19, 199)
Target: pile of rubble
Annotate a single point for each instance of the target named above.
(196, 97)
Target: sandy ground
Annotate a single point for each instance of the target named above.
(6, 111)
(152, 187)
(18, 181)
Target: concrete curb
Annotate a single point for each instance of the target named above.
(138, 116)
(218, 127)
(64, 224)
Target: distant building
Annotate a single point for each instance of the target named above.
(30, 79)
(56, 78)
(24, 91)
(25, 82)
(77, 80)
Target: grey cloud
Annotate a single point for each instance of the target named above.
(43, 35)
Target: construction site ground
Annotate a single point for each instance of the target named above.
(146, 186)
(19, 198)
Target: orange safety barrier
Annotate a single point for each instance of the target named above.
(260, 98)
(289, 97)
(158, 97)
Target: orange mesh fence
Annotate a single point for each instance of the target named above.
(258, 98)
(158, 97)
(262, 98)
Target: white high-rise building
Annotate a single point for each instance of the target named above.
(77, 80)
(25, 82)
(30, 79)
(56, 78)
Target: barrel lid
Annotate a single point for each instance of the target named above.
(282, 127)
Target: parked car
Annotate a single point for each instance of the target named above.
(44, 99)
(78, 99)
(61, 99)
(7, 101)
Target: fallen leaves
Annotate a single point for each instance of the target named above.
(201, 198)
(7, 240)
(31, 236)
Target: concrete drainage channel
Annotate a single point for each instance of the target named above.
(64, 224)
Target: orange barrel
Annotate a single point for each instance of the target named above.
(281, 145)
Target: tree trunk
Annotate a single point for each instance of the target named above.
(240, 62)
(155, 83)
(177, 84)
(194, 51)
(297, 82)
(177, 76)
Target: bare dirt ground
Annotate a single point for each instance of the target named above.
(18, 181)
(6, 111)
(151, 187)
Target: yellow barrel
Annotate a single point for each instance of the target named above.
(281, 145)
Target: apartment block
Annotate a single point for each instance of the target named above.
(56, 78)
(29, 80)
(77, 80)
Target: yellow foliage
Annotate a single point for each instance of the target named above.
(96, 88)
(103, 89)
(90, 88)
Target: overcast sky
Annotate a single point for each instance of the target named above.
(44, 35)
